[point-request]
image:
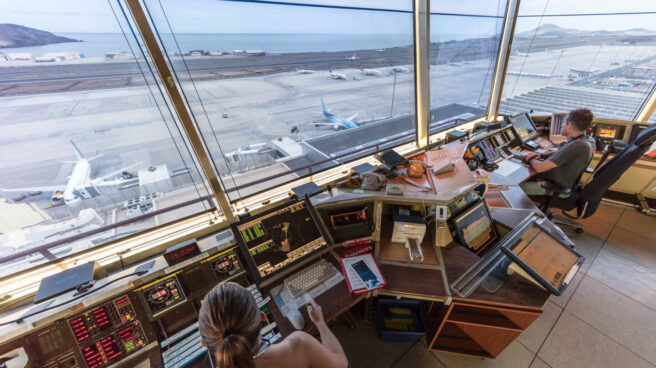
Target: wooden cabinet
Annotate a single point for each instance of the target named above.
(477, 328)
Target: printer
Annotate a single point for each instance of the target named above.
(409, 229)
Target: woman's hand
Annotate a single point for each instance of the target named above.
(315, 312)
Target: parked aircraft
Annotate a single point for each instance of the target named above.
(336, 122)
(303, 71)
(336, 76)
(372, 72)
(79, 183)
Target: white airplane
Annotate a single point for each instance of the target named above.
(454, 64)
(78, 182)
(352, 58)
(372, 72)
(526, 54)
(399, 69)
(337, 76)
(303, 71)
(336, 122)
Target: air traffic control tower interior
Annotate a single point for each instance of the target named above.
(392, 161)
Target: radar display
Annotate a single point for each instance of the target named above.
(281, 237)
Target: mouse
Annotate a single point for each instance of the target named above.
(297, 320)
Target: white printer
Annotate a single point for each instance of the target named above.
(409, 229)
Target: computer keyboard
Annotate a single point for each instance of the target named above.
(309, 277)
(515, 152)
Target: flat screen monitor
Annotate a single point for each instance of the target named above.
(546, 258)
(473, 228)
(524, 127)
(274, 240)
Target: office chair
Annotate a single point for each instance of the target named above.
(586, 199)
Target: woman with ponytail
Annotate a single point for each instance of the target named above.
(229, 324)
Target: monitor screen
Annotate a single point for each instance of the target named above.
(558, 122)
(279, 237)
(524, 127)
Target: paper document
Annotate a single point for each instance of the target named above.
(507, 168)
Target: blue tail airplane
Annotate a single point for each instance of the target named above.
(336, 122)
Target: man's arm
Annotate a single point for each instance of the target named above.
(541, 166)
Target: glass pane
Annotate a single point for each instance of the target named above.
(603, 61)
(281, 91)
(90, 151)
(464, 39)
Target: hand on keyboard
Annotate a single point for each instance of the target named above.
(528, 156)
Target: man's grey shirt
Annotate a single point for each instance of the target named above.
(570, 160)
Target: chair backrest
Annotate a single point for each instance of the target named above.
(608, 174)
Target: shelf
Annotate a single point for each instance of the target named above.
(454, 340)
(484, 317)
(393, 253)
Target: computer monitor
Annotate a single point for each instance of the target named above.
(280, 237)
(473, 228)
(524, 128)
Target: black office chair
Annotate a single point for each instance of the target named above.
(586, 199)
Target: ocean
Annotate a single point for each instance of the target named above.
(98, 44)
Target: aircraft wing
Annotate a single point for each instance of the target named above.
(353, 117)
(102, 181)
(51, 188)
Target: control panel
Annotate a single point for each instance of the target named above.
(162, 295)
(111, 348)
(227, 265)
(107, 332)
(101, 318)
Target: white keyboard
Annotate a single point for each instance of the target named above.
(309, 277)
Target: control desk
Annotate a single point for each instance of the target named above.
(146, 315)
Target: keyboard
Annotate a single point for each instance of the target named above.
(515, 152)
(309, 277)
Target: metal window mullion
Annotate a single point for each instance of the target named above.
(421, 14)
(647, 108)
(188, 125)
(510, 20)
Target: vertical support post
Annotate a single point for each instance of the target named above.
(503, 55)
(422, 69)
(180, 108)
(647, 108)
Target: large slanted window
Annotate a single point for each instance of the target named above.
(283, 90)
(89, 151)
(597, 54)
(464, 43)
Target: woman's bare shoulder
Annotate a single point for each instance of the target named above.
(288, 353)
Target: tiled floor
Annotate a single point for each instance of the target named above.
(606, 317)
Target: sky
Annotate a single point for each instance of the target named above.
(215, 16)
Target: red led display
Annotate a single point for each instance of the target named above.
(79, 328)
(92, 356)
(181, 254)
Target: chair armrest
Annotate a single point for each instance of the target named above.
(555, 187)
(589, 170)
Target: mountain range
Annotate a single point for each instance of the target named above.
(13, 35)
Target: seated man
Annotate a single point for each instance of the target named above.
(565, 165)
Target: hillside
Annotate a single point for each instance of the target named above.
(13, 35)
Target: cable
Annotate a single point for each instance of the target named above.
(200, 100)
(22, 318)
(163, 97)
(530, 46)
